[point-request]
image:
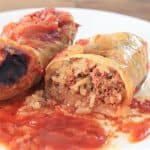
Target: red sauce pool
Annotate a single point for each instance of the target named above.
(41, 131)
(59, 131)
(137, 130)
(82, 41)
(142, 106)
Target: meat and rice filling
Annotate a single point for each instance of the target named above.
(86, 86)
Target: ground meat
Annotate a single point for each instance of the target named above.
(87, 87)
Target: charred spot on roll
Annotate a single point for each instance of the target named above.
(19, 68)
(13, 67)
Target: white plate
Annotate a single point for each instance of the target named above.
(93, 22)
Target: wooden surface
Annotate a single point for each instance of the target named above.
(137, 8)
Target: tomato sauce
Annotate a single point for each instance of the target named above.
(141, 106)
(137, 130)
(57, 131)
(60, 131)
(82, 42)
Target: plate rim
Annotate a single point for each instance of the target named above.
(80, 9)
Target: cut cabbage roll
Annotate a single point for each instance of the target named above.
(99, 74)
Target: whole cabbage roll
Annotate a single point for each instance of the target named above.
(45, 29)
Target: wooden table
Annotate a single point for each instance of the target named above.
(137, 8)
